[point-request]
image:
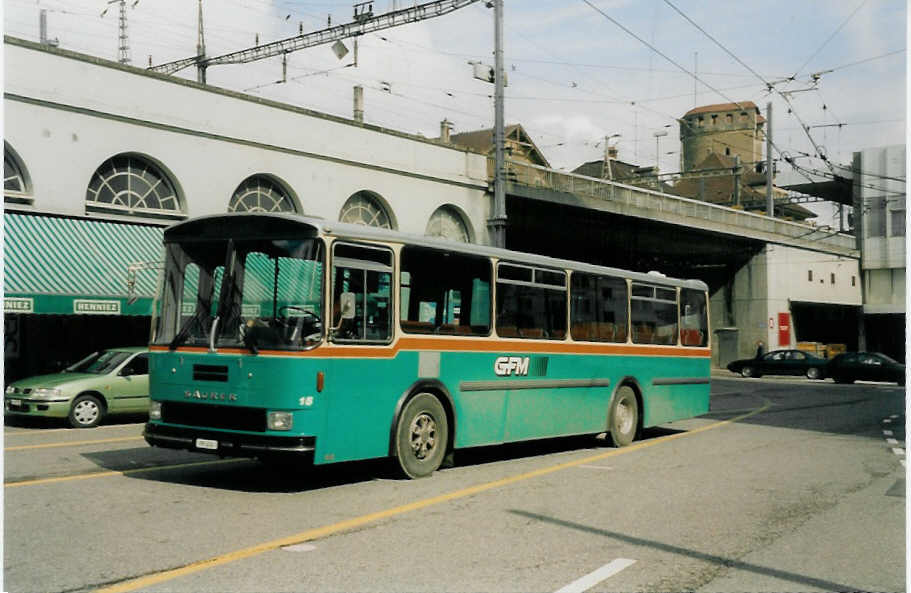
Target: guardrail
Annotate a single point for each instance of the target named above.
(668, 205)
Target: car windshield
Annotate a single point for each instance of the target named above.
(99, 363)
(258, 293)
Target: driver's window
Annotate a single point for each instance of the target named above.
(775, 356)
(361, 294)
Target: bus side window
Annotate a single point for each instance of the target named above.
(531, 302)
(653, 314)
(363, 275)
(598, 312)
(444, 293)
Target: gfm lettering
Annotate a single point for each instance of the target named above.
(505, 366)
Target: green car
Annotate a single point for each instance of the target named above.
(114, 381)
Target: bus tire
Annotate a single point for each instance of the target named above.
(623, 419)
(421, 436)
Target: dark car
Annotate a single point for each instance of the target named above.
(781, 362)
(865, 366)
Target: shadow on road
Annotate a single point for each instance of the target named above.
(815, 405)
(250, 475)
(721, 561)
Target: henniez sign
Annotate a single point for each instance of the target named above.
(95, 307)
(18, 305)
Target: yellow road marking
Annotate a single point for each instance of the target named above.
(27, 432)
(71, 444)
(327, 530)
(125, 472)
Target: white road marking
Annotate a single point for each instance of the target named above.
(899, 452)
(888, 433)
(593, 578)
(300, 548)
(892, 441)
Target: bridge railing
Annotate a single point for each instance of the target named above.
(668, 204)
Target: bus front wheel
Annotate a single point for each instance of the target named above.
(624, 417)
(421, 436)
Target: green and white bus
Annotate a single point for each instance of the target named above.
(278, 334)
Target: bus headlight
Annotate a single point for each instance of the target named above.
(279, 420)
(154, 410)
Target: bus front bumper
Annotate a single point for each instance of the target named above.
(226, 444)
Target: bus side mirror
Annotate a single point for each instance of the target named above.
(345, 309)
(347, 305)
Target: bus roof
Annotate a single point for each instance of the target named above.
(362, 232)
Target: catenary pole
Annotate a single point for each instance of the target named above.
(770, 202)
(497, 224)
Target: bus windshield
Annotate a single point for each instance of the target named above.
(258, 293)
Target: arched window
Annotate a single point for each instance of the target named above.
(447, 222)
(259, 193)
(131, 184)
(367, 209)
(16, 186)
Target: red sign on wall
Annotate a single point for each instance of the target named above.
(784, 329)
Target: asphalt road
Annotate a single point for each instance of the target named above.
(801, 492)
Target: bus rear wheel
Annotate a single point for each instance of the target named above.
(421, 436)
(623, 419)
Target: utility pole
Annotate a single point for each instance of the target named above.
(770, 177)
(42, 30)
(497, 224)
(123, 51)
(200, 50)
(695, 78)
(737, 180)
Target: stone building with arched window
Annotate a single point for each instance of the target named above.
(99, 157)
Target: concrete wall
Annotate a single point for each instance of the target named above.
(66, 113)
(771, 281)
(884, 200)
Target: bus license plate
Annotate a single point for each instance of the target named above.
(206, 444)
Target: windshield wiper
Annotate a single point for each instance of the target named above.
(184, 332)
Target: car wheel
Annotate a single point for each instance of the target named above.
(86, 412)
(748, 372)
(623, 419)
(814, 373)
(421, 436)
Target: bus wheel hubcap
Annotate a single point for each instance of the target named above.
(624, 417)
(423, 435)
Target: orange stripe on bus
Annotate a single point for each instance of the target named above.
(462, 344)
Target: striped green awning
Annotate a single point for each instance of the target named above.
(73, 266)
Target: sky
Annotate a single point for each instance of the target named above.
(577, 70)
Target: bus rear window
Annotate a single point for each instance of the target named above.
(694, 320)
(444, 293)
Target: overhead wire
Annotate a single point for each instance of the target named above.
(826, 42)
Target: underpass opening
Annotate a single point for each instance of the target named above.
(583, 234)
(826, 323)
